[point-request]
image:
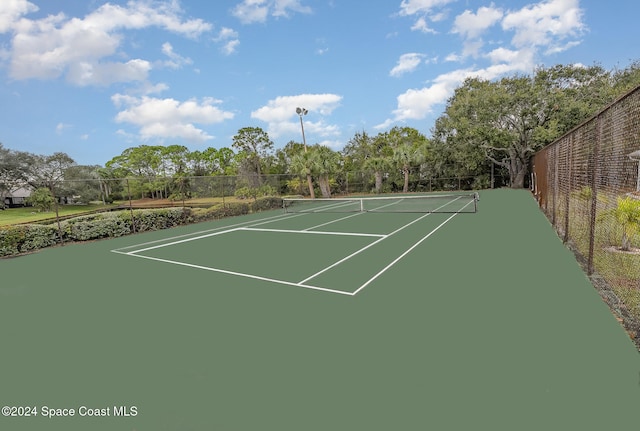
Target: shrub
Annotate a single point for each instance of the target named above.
(266, 203)
(94, 226)
(255, 192)
(39, 236)
(42, 199)
(219, 211)
(243, 193)
(156, 219)
(19, 239)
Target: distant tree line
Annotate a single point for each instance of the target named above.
(487, 127)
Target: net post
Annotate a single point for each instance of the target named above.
(361, 205)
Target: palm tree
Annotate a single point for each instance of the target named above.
(627, 213)
(302, 164)
(377, 165)
(325, 163)
(405, 156)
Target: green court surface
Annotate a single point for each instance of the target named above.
(318, 321)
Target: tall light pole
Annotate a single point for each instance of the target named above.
(301, 112)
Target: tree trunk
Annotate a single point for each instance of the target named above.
(310, 183)
(405, 189)
(325, 188)
(517, 182)
(378, 176)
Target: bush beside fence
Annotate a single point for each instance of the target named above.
(20, 239)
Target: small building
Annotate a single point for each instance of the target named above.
(17, 198)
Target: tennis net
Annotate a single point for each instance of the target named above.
(441, 203)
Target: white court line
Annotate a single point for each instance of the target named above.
(370, 245)
(276, 217)
(181, 241)
(241, 274)
(342, 202)
(333, 221)
(317, 232)
(382, 271)
(344, 218)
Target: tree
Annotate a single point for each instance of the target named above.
(254, 145)
(325, 163)
(49, 171)
(370, 155)
(83, 182)
(503, 119)
(408, 150)
(14, 170)
(146, 163)
(302, 164)
(42, 199)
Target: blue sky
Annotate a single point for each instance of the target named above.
(92, 78)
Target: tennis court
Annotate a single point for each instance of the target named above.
(341, 315)
(337, 254)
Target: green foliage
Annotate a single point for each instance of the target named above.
(220, 211)
(41, 199)
(95, 226)
(627, 214)
(585, 193)
(23, 238)
(297, 186)
(255, 192)
(157, 219)
(266, 203)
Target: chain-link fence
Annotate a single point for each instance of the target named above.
(200, 191)
(588, 185)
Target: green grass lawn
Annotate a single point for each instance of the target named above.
(19, 215)
(11, 216)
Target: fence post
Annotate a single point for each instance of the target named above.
(594, 194)
(554, 210)
(133, 221)
(567, 196)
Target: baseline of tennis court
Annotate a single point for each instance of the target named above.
(339, 255)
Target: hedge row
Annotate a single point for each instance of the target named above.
(24, 238)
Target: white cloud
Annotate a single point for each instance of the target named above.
(545, 23)
(282, 7)
(229, 38)
(412, 7)
(176, 61)
(416, 104)
(12, 10)
(53, 46)
(169, 118)
(250, 11)
(61, 127)
(407, 63)
(424, 9)
(280, 114)
(230, 47)
(547, 27)
(422, 26)
(471, 25)
(104, 74)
